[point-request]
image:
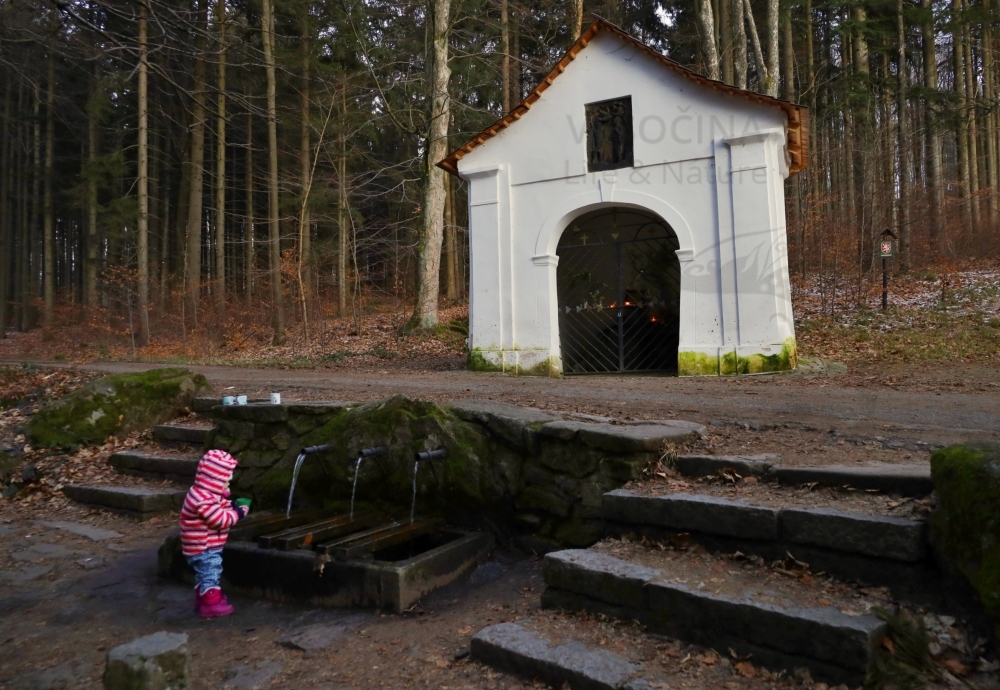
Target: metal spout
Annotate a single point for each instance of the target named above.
(431, 455)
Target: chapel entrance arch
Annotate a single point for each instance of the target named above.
(619, 286)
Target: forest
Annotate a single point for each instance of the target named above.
(188, 168)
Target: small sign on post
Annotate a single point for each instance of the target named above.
(886, 245)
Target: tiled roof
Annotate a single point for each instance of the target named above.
(798, 139)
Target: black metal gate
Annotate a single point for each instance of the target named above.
(619, 295)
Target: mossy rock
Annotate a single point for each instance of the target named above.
(114, 406)
(966, 524)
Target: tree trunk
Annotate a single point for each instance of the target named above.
(451, 246)
(248, 229)
(143, 183)
(763, 76)
(505, 51)
(220, 170)
(343, 208)
(963, 128)
(90, 269)
(772, 79)
(740, 39)
(971, 92)
(429, 246)
(196, 190)
(989, 93)
(788, 56)
(726, 40)
(707, 23)
(575, 18)
(5, 180)
(934, 172)
(49, 268)
(305, 241)
(274, 230)
(903, 146)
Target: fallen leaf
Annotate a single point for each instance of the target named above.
(709, 659)
(746, 669)
(887, 643)
(807, 579)
(465, 631)
(955, 666)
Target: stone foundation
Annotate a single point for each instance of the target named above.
(523, 473)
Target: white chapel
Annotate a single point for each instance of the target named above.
(629, 216)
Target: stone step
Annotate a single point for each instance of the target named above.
(877, 536)
(833, 645)
(181, 433)
(909, 479)
(139, 502)
(511, 648)
(912, 479)
(178, 468)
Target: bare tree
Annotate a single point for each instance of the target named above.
(429, 247)
(197, 171)
(142, 183)
(707, 22)
(49, 266)
(274, 230)
(220, 167)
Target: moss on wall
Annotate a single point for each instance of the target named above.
(966, 524)
(499, 474)
(113, 406)
(697, 364)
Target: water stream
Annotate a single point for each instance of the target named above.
(413, 505)
(295, 477)
(354, 489)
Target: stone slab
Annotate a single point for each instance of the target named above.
(824, 634)
(40, 552)
(152, 464)
(880, 536)
(263, 413)
(155, 662)
(692, 512)
(256, 676)
(25, 575)
(320, 635)
(176, 433)
(709, 465)
(141, 502)
(911, 479)
(512, 423)
(81, 530)
(617, 438)
(513, 649)
(598, 576)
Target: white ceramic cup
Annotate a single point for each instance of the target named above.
(228, 400)
(241, 400)
(275, 398)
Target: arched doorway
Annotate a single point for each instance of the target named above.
(618, 282)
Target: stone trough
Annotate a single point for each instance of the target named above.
(326, 558)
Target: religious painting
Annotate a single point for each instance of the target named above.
(609, 134)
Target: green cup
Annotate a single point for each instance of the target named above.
(243, 502)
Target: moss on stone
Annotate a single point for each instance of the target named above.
(114, 406)
(697, 364)
(760, 363)
(966, 524)
(478, 362)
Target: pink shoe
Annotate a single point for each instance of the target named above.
(214, 605)
(197, 599)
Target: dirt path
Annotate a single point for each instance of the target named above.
(911, 404)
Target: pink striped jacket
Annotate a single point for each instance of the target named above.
(207, 514)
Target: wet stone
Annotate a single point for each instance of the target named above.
(38, 552)
(252, 676)
(319, 636)
(155, 662)
(25, 575)
(512, 648)
(64, 676)
(82, 530)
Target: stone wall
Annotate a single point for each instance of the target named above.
(522, 473)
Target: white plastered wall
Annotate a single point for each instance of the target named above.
(710, 164)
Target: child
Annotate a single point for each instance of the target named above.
(206, 516)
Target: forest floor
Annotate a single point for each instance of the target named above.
(66, 599)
